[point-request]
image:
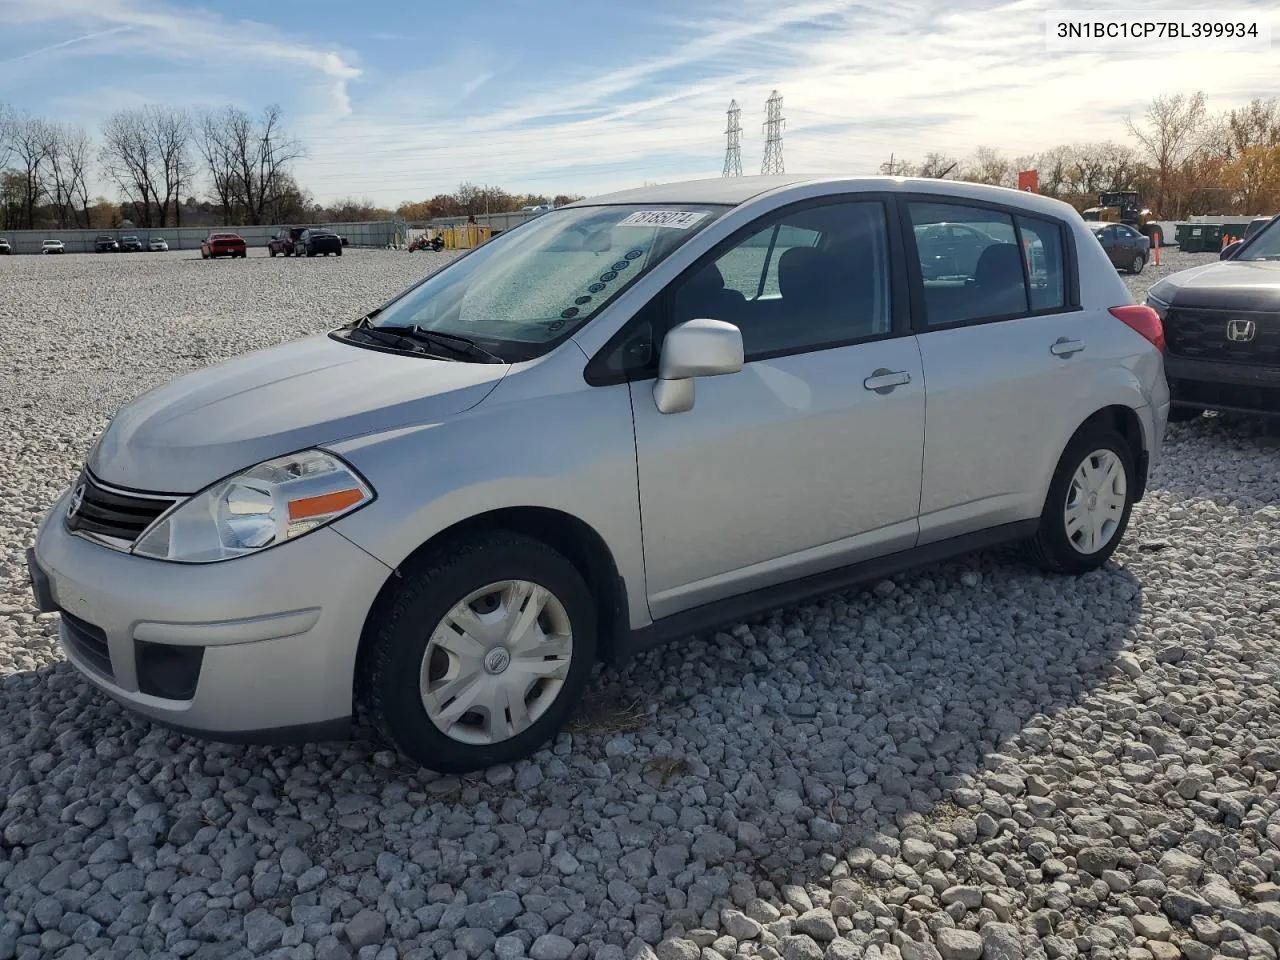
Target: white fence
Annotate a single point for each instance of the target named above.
(378, 233)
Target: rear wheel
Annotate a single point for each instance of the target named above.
(339, 251)
(1137, 263)
(1089, 501)
(481, 654)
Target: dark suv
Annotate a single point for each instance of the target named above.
(285, 242)
(105, 244)
(1222, 331)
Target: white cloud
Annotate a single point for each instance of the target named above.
(859, 79)
(163, 33)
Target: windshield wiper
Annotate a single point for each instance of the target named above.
(461, 346)
(385, 336)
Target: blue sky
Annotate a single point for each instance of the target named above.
(402, 100)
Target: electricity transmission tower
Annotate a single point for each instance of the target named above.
(773, 135)
(733, 150)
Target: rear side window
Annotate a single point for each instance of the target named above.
(976, 264)
(1042, 243)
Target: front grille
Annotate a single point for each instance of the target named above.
(88, 642)
(1205, 335)
(111, 512)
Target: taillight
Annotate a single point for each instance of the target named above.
(1144, 320)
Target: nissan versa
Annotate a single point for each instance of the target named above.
(625, 421)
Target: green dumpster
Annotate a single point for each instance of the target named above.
(1200, 237)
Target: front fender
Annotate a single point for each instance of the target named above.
(572, 451)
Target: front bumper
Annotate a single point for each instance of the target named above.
(274, 634)
(1237, 387)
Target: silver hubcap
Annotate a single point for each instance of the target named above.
(1096, 501)
(496, 662)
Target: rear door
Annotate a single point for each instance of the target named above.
(808, 458)
(1000, 350)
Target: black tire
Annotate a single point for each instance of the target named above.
(311, 253)
(399, 630)
(339, 251)
(1184, 414)
(1139, 261)
(1051, 548)
(271, 251)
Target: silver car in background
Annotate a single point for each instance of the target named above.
(625, 421)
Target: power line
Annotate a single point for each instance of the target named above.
(733, 150)
(773, 124)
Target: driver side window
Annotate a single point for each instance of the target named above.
(802, 280)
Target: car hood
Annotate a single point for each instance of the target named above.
(1227, 284)
(203, 426)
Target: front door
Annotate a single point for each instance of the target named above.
(810, 457)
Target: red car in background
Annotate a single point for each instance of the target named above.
(223, 245)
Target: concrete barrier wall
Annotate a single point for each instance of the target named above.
(380, 233)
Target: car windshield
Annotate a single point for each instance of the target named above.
(1263, 245)
(541, 281)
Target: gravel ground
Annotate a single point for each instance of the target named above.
(970, 761)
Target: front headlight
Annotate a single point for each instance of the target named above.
(1158, 305)
(278, 500)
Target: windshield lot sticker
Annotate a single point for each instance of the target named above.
(608, 275)
(671, 219)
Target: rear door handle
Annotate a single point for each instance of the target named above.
(884, 380)
(1065, 347)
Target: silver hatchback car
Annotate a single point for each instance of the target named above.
(625, 421)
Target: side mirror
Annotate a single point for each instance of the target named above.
(697, 348)
(1229, 250)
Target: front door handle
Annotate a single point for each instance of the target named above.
(1066, 347)
(884, 380)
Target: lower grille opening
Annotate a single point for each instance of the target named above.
(167, 670)
(87, 642)
(1229, 395)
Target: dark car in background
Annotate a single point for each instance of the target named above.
(105, 244)
(1222, 331)
(223, 245)
(316, 241)
(1126, 247)
(284, 242)
(949, 249)
(131, 245)
(5, 248)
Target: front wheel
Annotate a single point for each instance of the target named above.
(1138, 262)
(1089, 501)
(339, 251)
(481, 654)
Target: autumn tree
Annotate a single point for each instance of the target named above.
(989, 165)
(68, 148)
(937, 165)
(29, 143)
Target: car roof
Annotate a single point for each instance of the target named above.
(741, 190)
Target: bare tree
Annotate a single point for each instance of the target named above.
(147, 153)
(29, 141)
(1170, 136)
(7, 122)
(937, 165)
(247, 159)
(989, 165)
(127, 158)
(67, 157)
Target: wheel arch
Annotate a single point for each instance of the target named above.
(1125, 421)
(568, 535)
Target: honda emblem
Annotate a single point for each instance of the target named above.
(1241, 331)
